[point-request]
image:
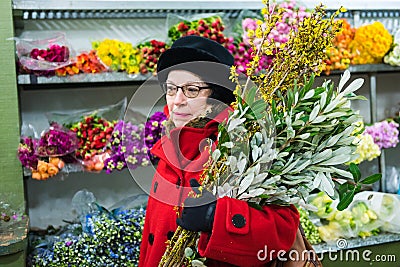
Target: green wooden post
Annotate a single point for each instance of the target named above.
(11, 181)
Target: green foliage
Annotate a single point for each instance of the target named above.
(302, 142)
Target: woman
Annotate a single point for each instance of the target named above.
(194, 74)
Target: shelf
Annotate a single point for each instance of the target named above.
(26, 79)
(14, 238)
(89, 9)
(356, 242)
(190, 4)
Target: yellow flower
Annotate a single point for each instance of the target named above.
(371, 43)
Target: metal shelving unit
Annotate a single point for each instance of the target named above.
(389, 5)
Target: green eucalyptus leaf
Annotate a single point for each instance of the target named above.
(343, 188)
(319, 119)
(308, 95)
(354, 86)
(314, 112)
(250, 97)
(345, 201)
(343, 80)
(355, 171)
(371, 179)
(358, 97)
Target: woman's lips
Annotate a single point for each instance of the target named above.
(181, 115)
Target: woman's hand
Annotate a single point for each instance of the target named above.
(198, 213)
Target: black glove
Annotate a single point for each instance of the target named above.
(198, 213)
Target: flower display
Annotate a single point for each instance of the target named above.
(310, 230)
(129, 146)
(371, 43)
(108, 239)
(45, 170)
(366, 148)
(93, 133)
(57, 141)
(84, 63)
(118, 55)
(44, 156)
(55, 53)
(290, 17)
(126, 147)
(150, 52)
(211, 27)
(357, 220)
(393, 57)
(154, 129)
(26, 152)
(385, 133)
(339, 55)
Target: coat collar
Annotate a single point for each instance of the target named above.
(187, 144)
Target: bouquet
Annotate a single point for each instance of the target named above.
(371, 43)
(150, 52)
(118, 55)
(284, 138)
(45, 156)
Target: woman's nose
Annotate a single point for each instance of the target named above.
(180, 98)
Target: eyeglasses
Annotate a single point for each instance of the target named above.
(189, 90)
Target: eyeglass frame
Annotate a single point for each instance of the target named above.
(183, 88)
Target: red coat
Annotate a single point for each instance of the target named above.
(181, 158)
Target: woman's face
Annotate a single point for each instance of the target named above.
(181, 108)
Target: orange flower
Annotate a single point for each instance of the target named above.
(54, 161)
(52, 169)
(36, 175)
(45, 176)
(42, 167)
(60, 164)
(98, 166)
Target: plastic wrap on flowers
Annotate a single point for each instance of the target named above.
(130, 143)
(384, 205)
(47, 54)
(154, 130)
(126, 148)
(85, 62)
(150, 52)
(359, 219)
(210, 25)
(93, 128)
(45, 156)
(56, 141)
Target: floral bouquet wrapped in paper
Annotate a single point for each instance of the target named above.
(285, 136)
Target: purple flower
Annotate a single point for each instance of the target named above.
(57, 141)
(154, 129)
(384, 133)
(130, 144)
(26, 153)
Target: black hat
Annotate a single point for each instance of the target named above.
(200, 52)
